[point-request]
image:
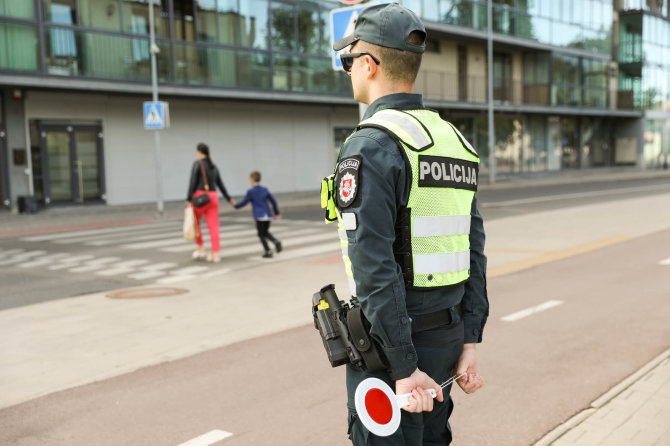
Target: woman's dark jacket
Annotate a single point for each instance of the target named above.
(213, 179)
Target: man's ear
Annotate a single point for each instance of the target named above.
(371, 67)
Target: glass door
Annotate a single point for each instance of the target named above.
(4, 161)
(71, 164)
(59, 173)
(88, 161)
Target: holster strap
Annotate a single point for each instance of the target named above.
(439, 318)
(360, 335)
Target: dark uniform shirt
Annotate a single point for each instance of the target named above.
(384, 187)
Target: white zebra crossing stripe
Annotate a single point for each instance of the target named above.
(189, 270)
(44, 260)
(70, 262)
(158, 266)
(10, 252)
(181, 242)
(173, 279)
(92, 265)
(125, 267)
(21, 257)
(252, 244)
(147, 275)
(92, 232)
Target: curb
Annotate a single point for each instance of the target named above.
(576, 420)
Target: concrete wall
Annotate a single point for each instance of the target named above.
(292, 145)
(477, 74)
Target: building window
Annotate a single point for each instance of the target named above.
(566, 88)
(136, 17)
(205, 17)
(62, 12)
(22, 9)
(283, 27)
(254, 23)
(18, 47)
(100, 14)
(229, 19)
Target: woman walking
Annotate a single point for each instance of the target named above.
(203, 197)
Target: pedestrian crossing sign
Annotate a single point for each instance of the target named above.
(342, 22)
(156, 115)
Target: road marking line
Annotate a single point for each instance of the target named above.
(210, 437)
(554, 255)
(529, 311)
(665, 262)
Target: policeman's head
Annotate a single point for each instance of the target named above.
(385, 51)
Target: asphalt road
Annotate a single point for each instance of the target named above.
(609, 317)
(539, 370)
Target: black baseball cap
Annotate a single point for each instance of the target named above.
(387, 25)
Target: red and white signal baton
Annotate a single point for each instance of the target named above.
(379, 408)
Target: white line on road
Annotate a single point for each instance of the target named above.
(665, 262)
(210, 437)
(570, 196)
(528, 311)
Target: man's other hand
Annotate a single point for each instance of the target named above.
(467, 364)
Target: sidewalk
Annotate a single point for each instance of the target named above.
(60, 344)
(635, 412)
(62, 218)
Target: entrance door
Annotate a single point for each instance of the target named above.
(70, 168)
(4, 161)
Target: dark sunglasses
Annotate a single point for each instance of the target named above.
(347, 59)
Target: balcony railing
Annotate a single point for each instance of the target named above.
(443, 86)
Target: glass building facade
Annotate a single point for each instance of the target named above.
(255, 44)
(576, 83)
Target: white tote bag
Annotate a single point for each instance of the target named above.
(190, 229)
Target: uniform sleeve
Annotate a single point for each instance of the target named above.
(379, 284)
(475, 303)
(193, 182)
(219, 183)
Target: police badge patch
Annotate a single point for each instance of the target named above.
(348, 181)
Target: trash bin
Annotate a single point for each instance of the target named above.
(26, 204)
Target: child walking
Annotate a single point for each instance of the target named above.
(259, 197)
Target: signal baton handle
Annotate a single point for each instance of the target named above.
(403, 400)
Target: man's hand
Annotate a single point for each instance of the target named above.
(467, 364)
(232, 202)
(420, 400)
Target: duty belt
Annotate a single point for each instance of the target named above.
(438, 318)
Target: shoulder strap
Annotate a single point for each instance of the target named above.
(404, 126)
(204, 175)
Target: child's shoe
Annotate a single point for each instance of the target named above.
(278, 246)
(267, 255)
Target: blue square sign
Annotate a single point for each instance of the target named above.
(155, 115)
(342, 21)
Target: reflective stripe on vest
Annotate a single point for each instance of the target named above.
(344, 245)
(332, 214)
(439, 224)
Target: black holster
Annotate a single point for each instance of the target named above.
(345, 332)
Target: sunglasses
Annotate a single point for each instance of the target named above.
(347, 59)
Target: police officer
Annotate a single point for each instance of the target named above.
(412, 237)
